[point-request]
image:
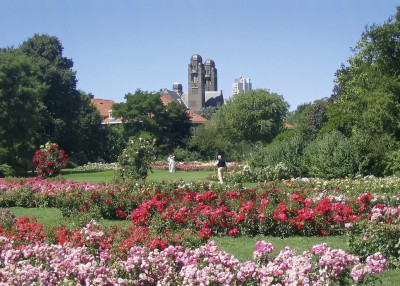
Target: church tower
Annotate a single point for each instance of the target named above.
(196, 83)
(210, 76)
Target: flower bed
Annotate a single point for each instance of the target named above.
(203, 207)
(89, 258)
(175, 213)
(239, 211)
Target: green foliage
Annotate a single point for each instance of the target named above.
(113, 143)
(185, 155)
(287, 152)
(144, 113)
(6, 171)
(90, 135)
(70, 118)
(332, 156)
(365, 238)
(253, 116)
(134, 162)
(309, 119)
(49, 160)
(21, 110)
(258, 174)
(208, 112)
(366, 93)
(7, 219)
(209, 142)
(40, 103)
(392, 160)
(79, 219)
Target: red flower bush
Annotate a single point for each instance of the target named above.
(250, 212)
(49, 160)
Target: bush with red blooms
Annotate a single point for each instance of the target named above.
(249, 212)
(49, 160)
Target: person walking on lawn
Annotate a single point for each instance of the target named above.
(221, 165)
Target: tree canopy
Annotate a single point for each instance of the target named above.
(367, 93)
(144, 115)
(252, 116)
(40, 103)
(21, 110)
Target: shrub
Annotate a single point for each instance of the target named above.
(287, 152)
(134, 162)
(186, 155)
(6, 171)
(7, 219)
(332, 156)
(392, 163)
(49, 160)
(381, 233)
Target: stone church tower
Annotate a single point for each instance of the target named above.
(196, 84)
(202, 86)
(210, 76)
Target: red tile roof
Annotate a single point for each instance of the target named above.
(104, 106)
(288, 126)
(194, 117)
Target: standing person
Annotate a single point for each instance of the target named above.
(221, 165)
(173, 164)
(169, 160)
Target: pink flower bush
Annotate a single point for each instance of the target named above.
(207, 265)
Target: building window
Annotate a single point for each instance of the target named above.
(110, 115)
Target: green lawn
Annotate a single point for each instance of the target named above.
(97, 177)
(106, 176)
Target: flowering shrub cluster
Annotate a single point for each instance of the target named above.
(87, 257)
(49, 160)
(281, 211)
(134, 162)
(257, 174)
(380, 233)
(250, 212)
(98, 167)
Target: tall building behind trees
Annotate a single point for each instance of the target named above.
(241, 84)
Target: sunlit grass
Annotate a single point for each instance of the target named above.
(154, 175)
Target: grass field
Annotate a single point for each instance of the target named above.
(241, 247)
(106, 176)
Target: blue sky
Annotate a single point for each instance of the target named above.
(290, 47)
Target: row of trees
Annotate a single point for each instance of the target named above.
(354, 131)
(357, 129)
(39, 103)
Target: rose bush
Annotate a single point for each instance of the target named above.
(49, 160)
(89, 256)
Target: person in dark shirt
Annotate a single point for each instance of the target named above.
(221, 165)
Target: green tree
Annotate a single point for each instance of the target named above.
(21, 110)
(113, 142)
(208, 112)
(89, 133)
(145, 116)
(66, 109)
(209, 142)
(366, 96)
(253, 116)
(309, 119)
(333, 156)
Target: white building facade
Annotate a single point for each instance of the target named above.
(241, 84)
